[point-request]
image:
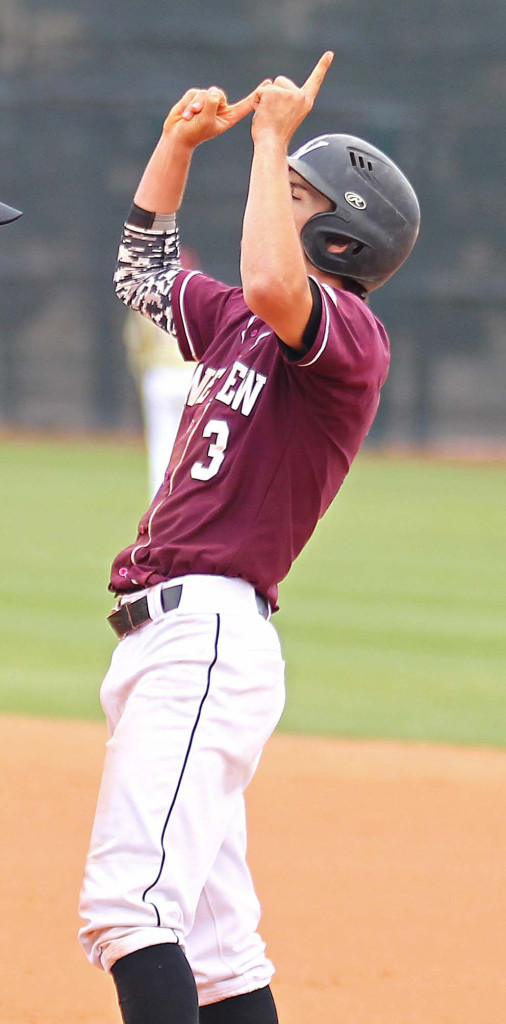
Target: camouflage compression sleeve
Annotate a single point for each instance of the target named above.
(148, 263)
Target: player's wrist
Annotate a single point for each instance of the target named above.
(175, 139)
(270, 138)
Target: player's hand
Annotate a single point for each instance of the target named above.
(202, 114)
(281, 105)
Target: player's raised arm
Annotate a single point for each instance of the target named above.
(273, 270)
(148, 258)
(201, 114)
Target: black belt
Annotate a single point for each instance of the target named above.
(134, 614)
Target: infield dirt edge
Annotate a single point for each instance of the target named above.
(380, 867)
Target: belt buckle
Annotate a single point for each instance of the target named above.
(131, 624)
(121, 620)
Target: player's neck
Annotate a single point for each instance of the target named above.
(323, 278)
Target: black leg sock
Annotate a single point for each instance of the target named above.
(156, 986)
(253, 1008)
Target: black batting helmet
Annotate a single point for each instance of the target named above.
(374, 206)
(8, 214)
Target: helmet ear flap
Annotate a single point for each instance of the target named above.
(316, 235)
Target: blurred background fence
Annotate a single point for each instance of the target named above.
(84, 87)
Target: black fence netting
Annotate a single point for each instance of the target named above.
(84, 87)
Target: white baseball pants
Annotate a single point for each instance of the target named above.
(190, 700)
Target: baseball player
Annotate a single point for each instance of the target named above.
(8, 214)
(288, 374)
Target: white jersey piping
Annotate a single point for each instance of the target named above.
(325, 336)
(183, 315)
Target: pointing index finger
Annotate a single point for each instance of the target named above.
(313, 82)
(238, 110)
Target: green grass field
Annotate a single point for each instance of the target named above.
(392, 620)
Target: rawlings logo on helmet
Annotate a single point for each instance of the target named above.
(355, 200)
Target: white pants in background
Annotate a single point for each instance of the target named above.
(190, 700)
(164, 391)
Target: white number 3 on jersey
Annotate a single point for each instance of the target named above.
(215, 451)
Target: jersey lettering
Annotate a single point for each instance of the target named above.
(202, 382)
(242, 388)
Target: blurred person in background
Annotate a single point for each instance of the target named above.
(163, 378)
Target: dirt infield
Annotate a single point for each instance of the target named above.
(381, 869)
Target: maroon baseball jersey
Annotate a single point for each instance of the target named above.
(266, 438)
